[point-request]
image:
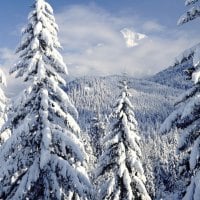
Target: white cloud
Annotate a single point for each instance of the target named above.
(94, 45)
(152, 27)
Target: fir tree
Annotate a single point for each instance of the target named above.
(120, 170)
(44, 158)
(187, 119)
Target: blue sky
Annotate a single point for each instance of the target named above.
(92, 39)
(14, 14)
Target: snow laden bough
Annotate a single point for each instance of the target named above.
(44, 158)
(3, 108)
(120, 171)
(186, 118)
(192, 13)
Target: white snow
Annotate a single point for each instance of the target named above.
(132, 38)
(2, 78)
(35, 44)
(191, 14)
(189, 107)
(187, 53)
(195, 154)
(193, 190)
(196, 57)
(122, 152)
(37, 28)
(188, 2)
(45, 138)
(169, 121)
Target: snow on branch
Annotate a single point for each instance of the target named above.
(190, 2)
(192, 14)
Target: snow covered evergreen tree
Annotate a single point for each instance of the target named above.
(120, 170)
(44, 158)
(192, 13)
(187, 119)
(97, 131)
(3, 108)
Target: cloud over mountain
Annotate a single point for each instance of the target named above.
(95, 42)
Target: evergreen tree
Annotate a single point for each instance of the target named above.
(192, 13)
(187, 119)
(97, 130)
(44, 158)
(120, 169)
(3, 108)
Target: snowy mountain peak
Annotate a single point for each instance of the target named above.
(132, 38)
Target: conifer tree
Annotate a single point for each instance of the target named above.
(3, 108)
(120, 170)
(192, 13)
(187, 119)
(44, 158)
(97, 130)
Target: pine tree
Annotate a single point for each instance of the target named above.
(120, 170)
(187, 119)
(44, 158)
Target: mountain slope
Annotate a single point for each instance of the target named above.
(152, 101)
(175, 76)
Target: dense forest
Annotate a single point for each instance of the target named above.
(98, 138)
